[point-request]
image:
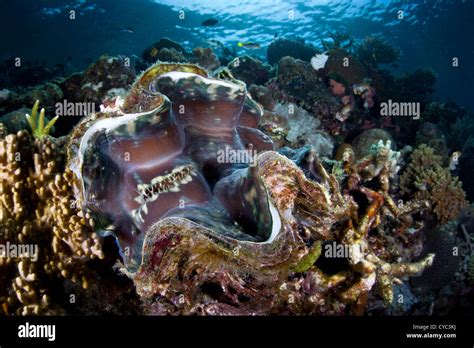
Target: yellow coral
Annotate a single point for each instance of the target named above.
(428, 180)
(36, 209)
(39, 130)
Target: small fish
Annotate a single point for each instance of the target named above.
(215, 43)
(154, 52)
(395, 65)
(127, 30)
(249, 45)
(209, 22)
(454, 160)
(68, 58)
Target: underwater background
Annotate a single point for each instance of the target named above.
(355, 198)
(432, 33)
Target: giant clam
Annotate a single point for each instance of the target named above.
(160, 156)
(200, 232)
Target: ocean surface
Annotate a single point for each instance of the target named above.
(430, 34)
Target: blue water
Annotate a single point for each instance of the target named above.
(430, 34)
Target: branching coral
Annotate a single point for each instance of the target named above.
(37, 213)
(428, 180)
(377, 168)
(38, 129)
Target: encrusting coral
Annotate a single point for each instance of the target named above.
(38, 216)
(428, 180)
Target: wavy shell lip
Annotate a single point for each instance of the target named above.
(219, 255)
(208, 104)
(154, 140)
(214, 114)
(123, 124)
(164, 161)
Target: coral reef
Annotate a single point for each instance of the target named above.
(205, 57)
(447, 284)
(250, 70)
(344, 67)
(330, 99)
(430, 135)
(37, 210)
(427, 179)
(170, 55)
(263, 95)
(231, 199)
(294, 48)
(471, 269)
(150, 54)
(444, 114)
(93, 84)
(15, 121)
(442, 243)
(319, 61)
(374, 51)
(421, 80)
(31, 73)
(297, 81)
(362, 144)
(300, 128)
(3, 131)
(49, 93)
(338, 39)
(199, 235)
